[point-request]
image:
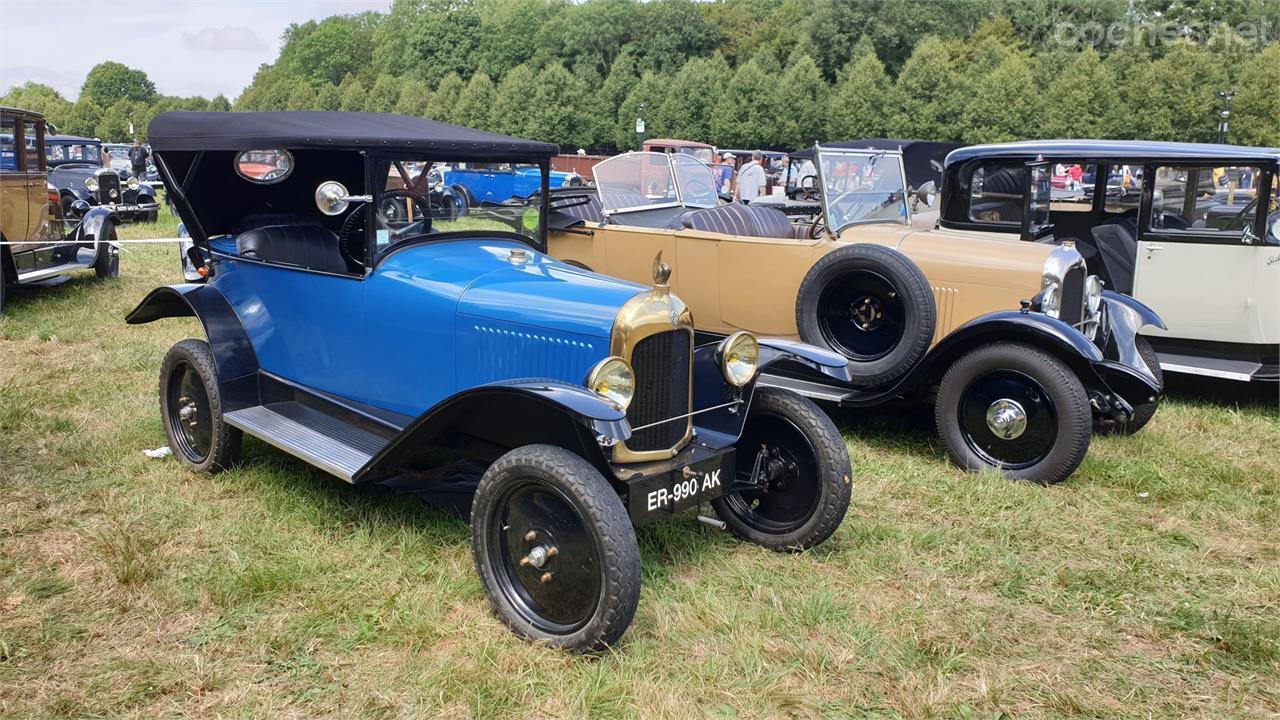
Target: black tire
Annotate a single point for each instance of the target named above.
(65, 203)
(1143, 413)
(2, 281)
(151, 216)
(809, 481)
(579, 598)
(1057, 421)
(462, 201)
(203, 441)
(871, 304)
(107, 263)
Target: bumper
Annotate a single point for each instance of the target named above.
(658, 490)
(132, 209)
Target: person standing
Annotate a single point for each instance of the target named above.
(751, 179)
(138, 155)
(724, 174)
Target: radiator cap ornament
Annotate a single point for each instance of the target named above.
(661, 271)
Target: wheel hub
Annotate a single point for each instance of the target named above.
(1007, 419)
(187, 413)
(867, 313)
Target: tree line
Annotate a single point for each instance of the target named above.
(758, 73)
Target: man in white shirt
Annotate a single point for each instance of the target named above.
(751, 179)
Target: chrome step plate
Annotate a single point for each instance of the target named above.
(321, 440)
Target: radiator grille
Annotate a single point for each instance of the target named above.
(1073, 296)
(662, 365)
(108, 183)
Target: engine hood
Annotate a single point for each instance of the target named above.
(542, 292)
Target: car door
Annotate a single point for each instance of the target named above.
(1199, 278)
(13, 183)
(39, 218)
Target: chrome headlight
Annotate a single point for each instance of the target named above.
(612, 378)
(133, 183)
(1093, 294)
(1051, 300)
(739, 358)
(91, 184)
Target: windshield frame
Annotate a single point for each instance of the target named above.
(820, 152)
(676, 181)
(375, 160)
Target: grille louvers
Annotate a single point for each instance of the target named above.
(662, 365)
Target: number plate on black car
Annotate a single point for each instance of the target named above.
(660, 496)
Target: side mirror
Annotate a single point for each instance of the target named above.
(332, 198)
(926, 193)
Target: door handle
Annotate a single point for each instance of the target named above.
(1154, 248)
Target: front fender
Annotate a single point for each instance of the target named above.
(234, 358)
(489, 420)
(1029, 327)
(829, 363)
(77, 193)
(90, 227)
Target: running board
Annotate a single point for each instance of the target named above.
(46, 273)
(1239, 370)
(326, 442)
(806, 388)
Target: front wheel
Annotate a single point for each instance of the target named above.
(191, 408)
(792, 482)
(555, 550)
(107, 263)
(1017, 409)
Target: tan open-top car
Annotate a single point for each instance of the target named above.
(1021, 351)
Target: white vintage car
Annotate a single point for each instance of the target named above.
(1191, 230)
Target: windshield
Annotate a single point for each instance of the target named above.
(421, 196)
(862, 186)
(647, 180)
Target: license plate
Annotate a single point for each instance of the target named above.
(660, 496)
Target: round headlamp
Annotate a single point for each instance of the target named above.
(1051, 300)
(133, 183)
(739, 358)
(1093, 293)
(91, 184)
(613, 378)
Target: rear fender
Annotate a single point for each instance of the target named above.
(489, 420)
(234, 357)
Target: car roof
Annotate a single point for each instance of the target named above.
(71, 139)
(20, 111)
(194, 131)
(1115, 150)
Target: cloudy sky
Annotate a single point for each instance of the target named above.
(186, 47)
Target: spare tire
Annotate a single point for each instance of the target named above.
(871, 304)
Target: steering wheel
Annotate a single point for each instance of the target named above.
(351, 236)
(819, 226)
(698, 188)
(807, 193)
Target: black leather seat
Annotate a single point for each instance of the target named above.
(308, 246)
(1117, 242)
(739, 219)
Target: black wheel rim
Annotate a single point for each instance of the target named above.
(190, 417)
(787, 493)
(1008, 419)
(546, 560)
(862, 315)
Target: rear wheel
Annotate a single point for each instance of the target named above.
(792, 482)
(1017, 409)
(871, 304)
(1143, 413)
(555, 550)
(191, 408)
(107, 263)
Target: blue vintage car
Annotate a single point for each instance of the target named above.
(372, 344)
(470, 184)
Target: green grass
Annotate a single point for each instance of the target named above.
(1146, 586)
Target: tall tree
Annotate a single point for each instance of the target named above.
(415, 98)
(693, 97)
(511, 107)
(804, 95)
(1176, 96)
(302, 97)
(219, 103)
(475, 103)
(1001, 104)
(508, 33)
(328, 97)
(751, 113)
(857, 106)
(1256, 111)
(929, 93)
(679, 30)
(650, 92)
(40, 98)
(444, 101)
(110, 82)
(1081, 100)
(83, 118)
(323, 52)
(429, 37)
(547, 119)
(383, 95)
(352, 94)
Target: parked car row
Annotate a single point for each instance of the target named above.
(620, 352)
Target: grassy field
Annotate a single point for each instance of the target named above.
(1146, 586)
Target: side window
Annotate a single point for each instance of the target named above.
(1072, 186)
(995, 193)
(31, 137)
(1123, 188)
(1204, 199)
(8, 144)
